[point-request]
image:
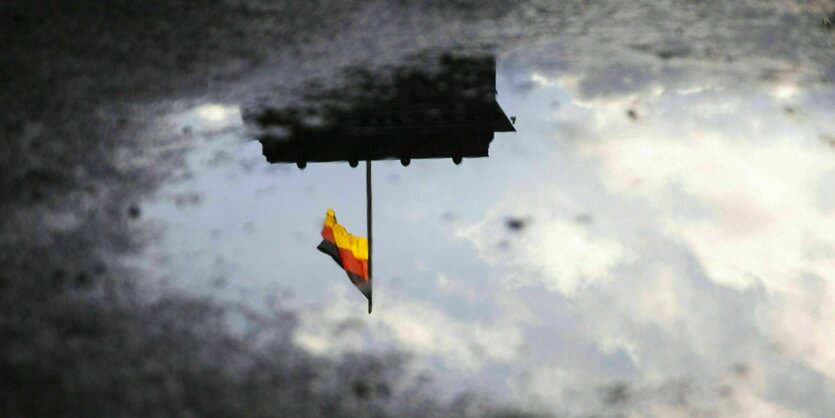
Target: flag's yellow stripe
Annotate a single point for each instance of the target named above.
(345, 240)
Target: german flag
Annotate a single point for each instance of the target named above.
(349, 251)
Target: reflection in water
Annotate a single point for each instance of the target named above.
(661, 243)
(442, 109)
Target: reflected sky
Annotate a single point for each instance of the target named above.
(656, 239)
(658, 236)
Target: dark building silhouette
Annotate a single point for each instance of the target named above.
(446, 109)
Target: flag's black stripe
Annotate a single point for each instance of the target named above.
(361, 284)
(330, 249)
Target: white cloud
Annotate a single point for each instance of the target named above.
(710, 243)
(213, 112)
(802, 323)
(659, 301)
(418, 328)
(759, 202)
(759, 218)
(558, 253)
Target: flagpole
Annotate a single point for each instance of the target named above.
(368, 223)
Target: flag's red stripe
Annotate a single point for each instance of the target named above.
(353, 264)
(350, 263)
(327, 234)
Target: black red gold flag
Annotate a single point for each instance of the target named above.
(349, 251)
